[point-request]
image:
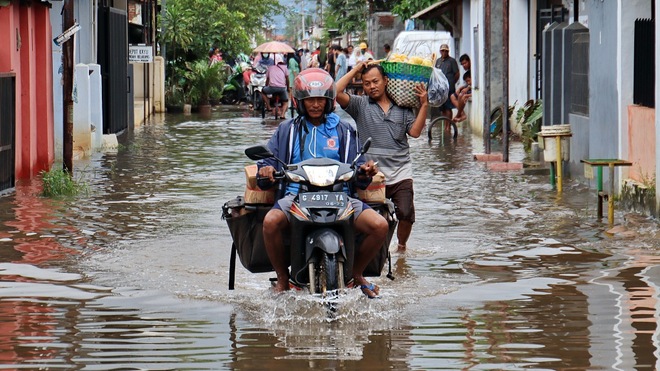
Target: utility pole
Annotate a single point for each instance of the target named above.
(67, 74)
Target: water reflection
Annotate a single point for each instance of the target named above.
(501, 274)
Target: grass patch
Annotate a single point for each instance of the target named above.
(58, 183)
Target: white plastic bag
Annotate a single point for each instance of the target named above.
(438, 89)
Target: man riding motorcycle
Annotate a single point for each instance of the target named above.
(318, 132)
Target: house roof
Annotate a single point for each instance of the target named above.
(435, 10)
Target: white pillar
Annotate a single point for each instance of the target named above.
(96, 105)
(82, 134)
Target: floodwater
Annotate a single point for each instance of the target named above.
(501, 272)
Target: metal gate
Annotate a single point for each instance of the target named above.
(7, 130)
(113, 58)
(544, 17)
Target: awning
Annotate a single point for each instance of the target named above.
(435, 10)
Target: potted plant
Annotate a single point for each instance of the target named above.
(202, 77)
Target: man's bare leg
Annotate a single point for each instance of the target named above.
(275, 223)
(403, 233)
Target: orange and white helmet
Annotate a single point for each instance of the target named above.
(314, 82)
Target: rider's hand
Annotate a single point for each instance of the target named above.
(369, 168)
(267, 172)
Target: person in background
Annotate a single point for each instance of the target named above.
(332, 59)
(302, 59)
(389, 126)
(277, 82)
(449, 67)
(460, 98)
(351, 58)
(318, 132)
(294, 70)
(364, 54)
(341, 64)
(464, 60)
(215, 55)
(387, 50)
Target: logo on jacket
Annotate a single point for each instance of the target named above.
(331, 143)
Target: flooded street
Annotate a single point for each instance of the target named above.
(501, 272)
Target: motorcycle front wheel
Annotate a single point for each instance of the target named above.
(326, 275)
(257, 101)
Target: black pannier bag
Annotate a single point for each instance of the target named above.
(245, 225)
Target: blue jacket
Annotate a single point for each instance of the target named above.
(282, 142)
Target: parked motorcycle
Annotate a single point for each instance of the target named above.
(322, 239)
(234, 90)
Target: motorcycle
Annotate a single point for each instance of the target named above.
(257, 83)
(322, 240)
(234, 90)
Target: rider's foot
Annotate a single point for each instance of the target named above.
(282, 284)
(369, 289)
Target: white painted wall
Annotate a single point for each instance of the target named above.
(519, 52)
(476, 109)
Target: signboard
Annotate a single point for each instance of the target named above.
(140, 54)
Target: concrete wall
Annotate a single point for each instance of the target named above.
(475, 111)
(382, 29)
(627, 13)
(580, 126)
(519, 34)
(641, 143)
(27, 34)
(603, 105)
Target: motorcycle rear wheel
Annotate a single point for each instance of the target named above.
(229, 97)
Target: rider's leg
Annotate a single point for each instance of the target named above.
(374, 227)
(275, 223)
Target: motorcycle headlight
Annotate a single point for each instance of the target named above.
(321, 176)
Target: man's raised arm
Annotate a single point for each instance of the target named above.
(342, 84)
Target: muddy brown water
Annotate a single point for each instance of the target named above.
(501, 272)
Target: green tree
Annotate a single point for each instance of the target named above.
(348, 16)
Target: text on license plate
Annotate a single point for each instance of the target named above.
(322, 199)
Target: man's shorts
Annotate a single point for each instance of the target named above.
(277, 92)
(448, 105)
(285, 203)
(402, 195)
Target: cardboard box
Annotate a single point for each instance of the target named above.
(254, 194)
(251, 176)
(375, 192)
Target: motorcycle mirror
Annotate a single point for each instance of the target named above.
(365, 146)
(259, 152)
(363, 150)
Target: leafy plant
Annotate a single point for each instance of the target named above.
(529, 118)
(60, 183)
(202, 77)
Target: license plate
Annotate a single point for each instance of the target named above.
(322, 199)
